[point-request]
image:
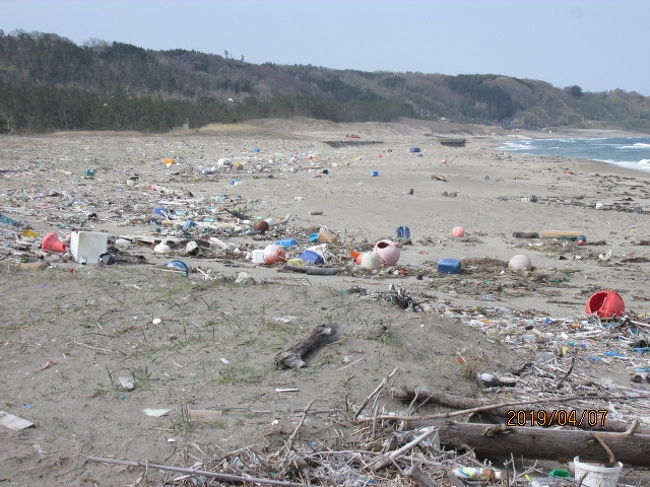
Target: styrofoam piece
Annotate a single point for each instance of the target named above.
(88, 246)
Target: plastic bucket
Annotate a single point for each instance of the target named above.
(596, 475)
(605, 304)
(52, 242)
(370, 260)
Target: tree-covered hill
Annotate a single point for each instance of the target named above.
(50, 83)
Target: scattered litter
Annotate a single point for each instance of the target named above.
(126, 383)
(156, 413)
(204, 415)
(48, 364)
(285, 319)
(14, 422)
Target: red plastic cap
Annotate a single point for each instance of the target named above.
(605, 304)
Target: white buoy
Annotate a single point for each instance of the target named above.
(520, 263)
(162, 248)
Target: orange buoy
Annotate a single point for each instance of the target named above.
(274, 254)
(458, 232)
(605, 304)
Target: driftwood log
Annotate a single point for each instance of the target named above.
(492, 441)
(455, 401)
(292, 355)
(238, 214)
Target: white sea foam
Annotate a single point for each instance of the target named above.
(628, 152)
(638, 145)
(517, 145)
(642, 165)
(568, 141)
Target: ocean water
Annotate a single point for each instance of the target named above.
(629, 152)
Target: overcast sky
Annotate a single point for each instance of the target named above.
(596, 44)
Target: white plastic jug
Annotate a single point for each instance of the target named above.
(257, 256)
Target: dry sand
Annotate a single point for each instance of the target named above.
(215, 343)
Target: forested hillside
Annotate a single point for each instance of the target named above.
(50, 83)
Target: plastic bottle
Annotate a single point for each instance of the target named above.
(287, 242)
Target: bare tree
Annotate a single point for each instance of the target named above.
(93, 42)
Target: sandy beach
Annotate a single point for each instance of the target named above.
(205, 342)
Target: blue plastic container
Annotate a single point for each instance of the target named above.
(449, 266)
(313, 237)
(287, 242)
(403, 232)
(414, 149)
(374, 174)
(311, 257)
(179, 264)
(160, 211)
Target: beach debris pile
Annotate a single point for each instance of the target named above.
(171, 229)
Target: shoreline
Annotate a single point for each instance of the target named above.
(628, 165)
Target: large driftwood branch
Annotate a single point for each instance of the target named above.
(388, 459)
(291, 355)
(375, 392)
(489, 407)
(544, 443)
(455, 401)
